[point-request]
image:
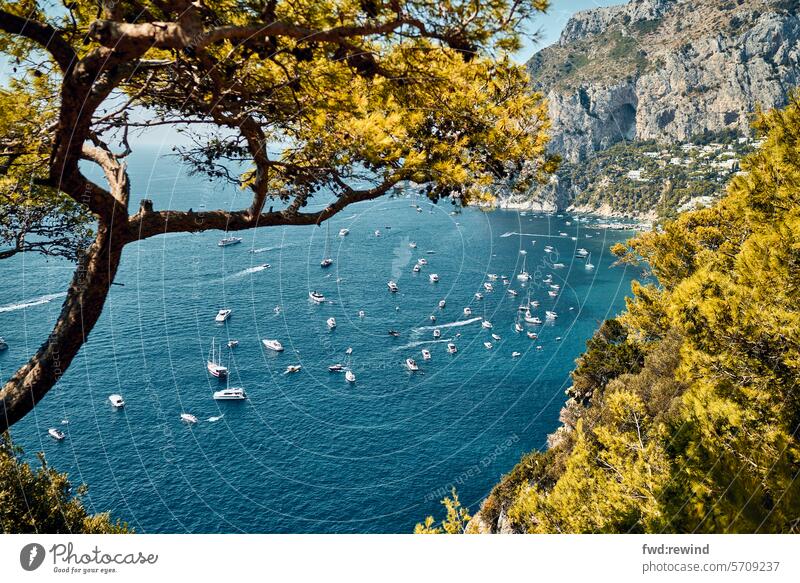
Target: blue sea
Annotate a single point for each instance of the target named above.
(310, 452)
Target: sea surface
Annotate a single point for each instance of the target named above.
(310, 452)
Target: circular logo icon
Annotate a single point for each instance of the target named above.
(31, 556)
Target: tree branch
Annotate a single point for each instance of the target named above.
(42, 34)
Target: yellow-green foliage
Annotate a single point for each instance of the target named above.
(703, 438)
(454, 523)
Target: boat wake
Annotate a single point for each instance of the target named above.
(450, 325)
(249, 271)
(215, 419)
(509, 234)
(421, 343)
(266, 249)
(32, 302)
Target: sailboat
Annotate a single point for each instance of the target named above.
(326, 259)
(589, 265)
(213, 363)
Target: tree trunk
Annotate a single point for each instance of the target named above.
(81, 310)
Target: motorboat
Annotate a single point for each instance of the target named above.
(523, 308)
(327, 262)
(535, 303)
(331, 323)
(559, 265)
(361, 313)
(411, 364)
(316, 297)
(491, 276)
(377, 232)
(272, 345)
(581, 252)
(496, 337)
(552, 293)
(426, 354)
(230, 394)
(117, 400)
(394, 333)
(488, 286)
(434, 277)
(533, 335)
(293, 368)
(344, 232)
(531, 319)
(223, 315)
(228, 241)
(523, 252)
(467, 311)
(213, 363)
(513, 292)
(488, 345)
(558, 338)
(550, 315)
(451, 348)
(548, 248)
(437, 333)
(349, 376)
(188, 417)
(486, 324)
(349, 351)
(518, 327)
(416, 268)
(516, 354)
(442, 304)
(555, 286)
(422, 261)
(478, 296)
(233, 343)
(335, 368)
(524, 276)
(589, 265)
(56, 434)
(432, 318)
(392, 287)
(3, 344)
(412, 245)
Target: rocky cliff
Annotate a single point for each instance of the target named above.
(666, 70)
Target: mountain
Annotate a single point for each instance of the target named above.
(666, 70)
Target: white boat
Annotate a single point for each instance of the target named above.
(432, 318)
(233, 343)
(533, 335)
(589, 265)
(294, 368)
(228, 241)
(523, 252)
(548, 248)
(412, 245)
(377, 233)
(188, 417)
(349, 376)
(555, 286)
(516, 354)
(116, 400)
(550, 315)
(3, 344)
(488, 345)
(451, 348)
(223, 315)
(422, 261)
(331, 323)
(411, 364)
(349, 350)
(496, 337)
(416, 268)
(437, 333)
(272, 345)
(392, 287)
(327, 262)
(442, 304)
(486, 324)
(361, 313)
(434, 277)
(488, 286)
(344, 232)
(56, 434)
(513, 292)
(552, 293)
(213, 363)
(316, 297)
(491, 276)
(518, 327)
(426, 354)
(230, 394)
(467, 311)
(558, 338)
(335, 368)
(524, 276)
(478, 296)
(582, 252)
(559, 265)
(531, 319)
(535, 303)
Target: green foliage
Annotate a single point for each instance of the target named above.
(702, 436)
(41, 500)
(455, 521)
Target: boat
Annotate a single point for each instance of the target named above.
(581, 252)
(188, 417)
(411, 364)
(344, 232)
(548, 248)
(116, 400)
(422, 261)
(589, 265)
(531, 319)
(349, 376)
(361, 313)
(442, 304)
(331, 323)
(293, 368)
(213, 363)
(327, 262)
(230, 394)
(233, 343)
(272, 345)
(348, 351)
(552, 293)
(486, 324)
(518, 327)
(426, 354)
(277, 309)
(555, 286)
(228, 241)
(523, 252)
(478, 296)
(491, 276)
(377, 233)
(316, 297)
(496, 337)
(533, 335)
(336, 368)
(488, 286)
(558, 338)
(488, 345)
(3, 344)
(223, 315)
(416, 268)
(56, 434)
(451, 348)
(394, 333)
(432, 318)
(392, 287)
(467, 311)
(437, 333)
(535, 303)
(434, 277)
(516, 354)
(513, 292)
(559, 265)
(551, 315)
(412, 245)
(524, 276)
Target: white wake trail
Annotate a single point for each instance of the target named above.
(46, 299)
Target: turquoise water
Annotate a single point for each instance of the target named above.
(308, 452)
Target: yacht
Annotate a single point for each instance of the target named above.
(555, 286)
(412, 245)
(451, 348)
(336, 368)
(552, 293)
(422, 261)
(488, 286)
(361, 313)
(531, 319)
(294, 368)
(213, 363)
(233, 343)
(524, 276)
(331, 323)
(327, 262)
(548, 248)
(513, 292)
(496, 337)
(349, 350)
(488, 345)
(394, 333)
(516, 354)
(316, 297)
(3, 344)
(344, 232)
(223, 315)
(377, 232)
(559, 265)
(116, 400)
(589, 265)
(533, 335)
(56, 434)
(416, 268)
(188, 417)
(411, 364)
(393, 287)
(434, 277)
(491, 276)
(535, 303)
(523, 252)
(272, 345)
(437, 333)
(228, 241)
(581, 252)
(426, 354)
(467, 311)
(551, 315)
(230, 394)
(518, 327)
(442, 304)
(486, 324)
(349, 376)
(478, 296)
(558, 338)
